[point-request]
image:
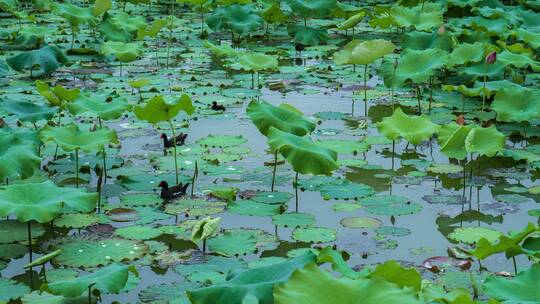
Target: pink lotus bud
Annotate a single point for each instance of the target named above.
(491, 58)
(441, 30)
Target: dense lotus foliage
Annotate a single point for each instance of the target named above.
(210, 151)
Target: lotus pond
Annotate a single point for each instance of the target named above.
(295, 151)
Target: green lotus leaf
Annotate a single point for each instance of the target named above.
(230, 244)
(221, 141)
(314, 234)
(131, 24)
(465, 53)
(452, 137)
(204, 229)
(124, 52)
(305, 35)
(352, 21)
(313, 285)
(158, 110)
(363, 52)
(249, 207)
(312, 8)
(346, 191)
(151, 30)
(44, 259)
(507, 243)
(11, 290)
(42, 202)
(16, 232)
(422, 40)
(240, 19)
(518, 60)
(274, 14)
(31, 36)
(391, 271)
(272, 197)
(101, 6)
(58, 95)
(250, 286)
(485, 141)
(531, 37)
(91, 253)
(471, 235)
(12, 251)
(423, 17)
(293, 219)
(418, 65)
(138, 232)
(390, 205)
(414, 129)
(70, 137)
(41, 297)
(167, 293)
(521, 289)
(75, 220)
(18, 155)
(47, 59)
(98, 104)
(361, 222)
(517, 104)
(304, 155)
(76, 15)
(29, 111)
(283, 117)
(195, 207)
(110, 279)
(258, 62)
(223, 50)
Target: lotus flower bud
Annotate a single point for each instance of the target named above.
(441, 30)
(491, 58)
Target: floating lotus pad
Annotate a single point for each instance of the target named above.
(249, 207)
(221, 141)
(138, 232)
(392, 231)
(195, 207)
(314, 235)
(362, 222)
(472, 235)
(76, 220)
(390, 205)
(272, 197)
(346, 191)
(14, 232)
(293, 219)
(92, 253)
(12, 290)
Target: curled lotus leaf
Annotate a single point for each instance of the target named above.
(364, 52)
(283, 117)
(414, 129)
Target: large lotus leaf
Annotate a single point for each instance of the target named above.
(464, 53)
(48, 58)
(423, 17)
(274, 14)
(472, 235)
(421, 41)
(158, 110)
(77, 15)
(305, 156)
(418, 65)
(251, 286)
(306, 35)
(312, 8)
(56, 95)
(240, 19)
(222, 50)
(414, 129)
(29, 111)
(346, 191)
(531, 37)
(313, 285)
(167, 293)
(293, 219)
(91, 253)
(283, 117)
(249, 207)
(485, 141)
(517, 104)
(43, 201)
(70, 137)
(518, 60)
(124, 52)
(11, 290)
(390, 205)
(258, 62)
(18, 155)
(16, 232)
(102, 105)
(204, 229)
(521, 289)
(230, 244)
(110, 279)
(509, 244)
(124, 21)
(363, 52)
(391, 271)
(151, 30)
(451, 138)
